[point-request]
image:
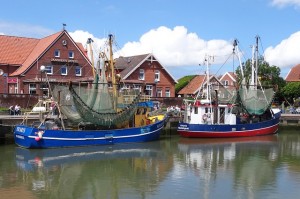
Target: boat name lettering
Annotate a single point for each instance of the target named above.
(160, 125)
(145, 130)
(20, 137)
(183, 127)
(21, 129)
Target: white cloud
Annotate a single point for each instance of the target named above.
(286, 53)
(284, 3)
(180, 51)
(177, 47)
(173, 47)
(24, 30)
(82, 37)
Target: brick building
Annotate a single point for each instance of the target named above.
(21, 60)
(146, 73)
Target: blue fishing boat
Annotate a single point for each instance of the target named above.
(89, 114)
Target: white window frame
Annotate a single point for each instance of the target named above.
(158, 92)
(57, 53)
(61, 70)
(71, 54)
(149, 88)
(78, 68)
(226, 83)
(31, 88)
(168, 92)
(142, 74)
(49, 70)
(157, 76)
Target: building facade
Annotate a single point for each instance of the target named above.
(146, 73)
(27, 64)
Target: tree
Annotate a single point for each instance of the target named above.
(269, 76)
(291, 91)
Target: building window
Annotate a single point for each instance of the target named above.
(225, 83)
(159, 92)
(168, 92)
(148, 90)
(32, 89)
(64, 70)
(157, 76)
(78, 71)
(71, 54)
(49, 70)
(57, 53)
(142, 74)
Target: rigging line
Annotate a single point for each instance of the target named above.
(223, 64)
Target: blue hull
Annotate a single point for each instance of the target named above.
(227, 130)
(28, 137)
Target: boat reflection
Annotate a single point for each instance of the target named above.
(250, 160)
(103, 171)
(29, 159)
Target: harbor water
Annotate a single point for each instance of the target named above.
(171, 168)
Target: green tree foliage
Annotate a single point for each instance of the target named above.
(291, 91)
(182, 82)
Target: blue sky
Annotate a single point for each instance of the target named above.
(179, 33)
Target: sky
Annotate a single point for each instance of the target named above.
(178, 33)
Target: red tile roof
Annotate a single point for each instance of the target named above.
(15, 50)
(36, 52)
(294, 74)
(193, 85)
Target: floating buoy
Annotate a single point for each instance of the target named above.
(37, 138)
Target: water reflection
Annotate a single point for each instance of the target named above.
(94, 172)
(249, 161)
(174, 167)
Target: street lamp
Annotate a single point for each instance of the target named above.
(42, 69)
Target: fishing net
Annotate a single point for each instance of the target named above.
(256, 101)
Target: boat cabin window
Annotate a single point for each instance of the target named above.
(196, 110)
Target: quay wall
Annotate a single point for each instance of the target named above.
(23, 100)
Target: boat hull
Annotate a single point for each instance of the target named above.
(227, 130)
(30, 137)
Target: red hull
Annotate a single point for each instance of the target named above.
(217, 134)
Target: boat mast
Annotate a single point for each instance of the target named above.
(256, 61)
(207, 62)
(89, 42)
(113, 77)
(254, 64)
